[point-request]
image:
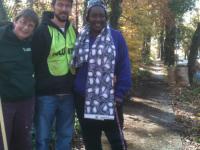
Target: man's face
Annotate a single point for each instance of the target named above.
(97, 19)
(23, 28)
(62, 9)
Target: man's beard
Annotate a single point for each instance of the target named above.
(61, 19)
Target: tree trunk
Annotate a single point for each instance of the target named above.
(3, 14)
(193, 53)
(169, 44)
(115, 13)
(146, 49)
(77, 14)
(161, 44)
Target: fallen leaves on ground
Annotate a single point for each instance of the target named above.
(186, 104)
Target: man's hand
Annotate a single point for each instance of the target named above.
(118, 101)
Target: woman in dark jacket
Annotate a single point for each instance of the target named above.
(17, 80)
(102, 80)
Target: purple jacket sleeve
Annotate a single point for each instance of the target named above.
(123, 69)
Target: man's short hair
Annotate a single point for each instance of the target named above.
(29, 14)
(54, 1)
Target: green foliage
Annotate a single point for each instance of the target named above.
(198, 139)
(190, 95)
(179, 7)
(176, 10)
(77, 127)
(184, 36)
(195, 91)
(196, 132)
(143, 73)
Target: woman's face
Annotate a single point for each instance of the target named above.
(23, 28)
(97, 19)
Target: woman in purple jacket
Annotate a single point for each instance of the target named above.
(102, 80)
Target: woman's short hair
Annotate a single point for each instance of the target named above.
(29, 14)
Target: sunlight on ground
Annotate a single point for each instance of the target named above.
(155, 70)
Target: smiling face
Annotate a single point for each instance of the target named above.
(23, 27)
(97, 19)
(62, 9)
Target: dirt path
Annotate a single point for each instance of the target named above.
(149, 118)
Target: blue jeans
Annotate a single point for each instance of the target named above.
(60, 109)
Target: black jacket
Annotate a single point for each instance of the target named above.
(16, 68)
(47, 84)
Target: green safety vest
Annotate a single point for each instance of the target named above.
(61, 51)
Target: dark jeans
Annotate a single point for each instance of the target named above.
(92, 129)
(18, 118)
